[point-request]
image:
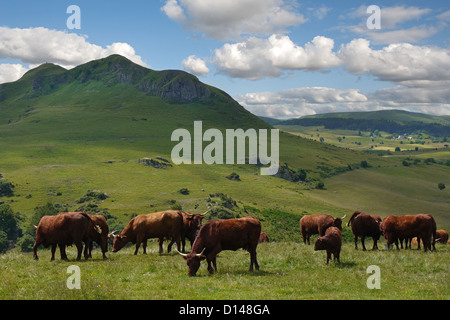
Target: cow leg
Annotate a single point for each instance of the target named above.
(53, 252)
(418, 243)
(79, 246)
(363, 238)
(307, 237)
(328, 256)
(62, 252)
(161, 249)
(336, 255)
(253, 260)
(375, 246)
(144, 246)
(35, 246)
(304, 237)
(355, 238)
(86, 249)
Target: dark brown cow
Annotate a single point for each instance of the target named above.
(421, 225)
(365, 225)
(218, 235)
(164, 224)
(318, 224)
(192, 222)
(263, 237)
(100, 238)
(64, 230)
(331, 242)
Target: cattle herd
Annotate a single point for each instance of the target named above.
(208, 239)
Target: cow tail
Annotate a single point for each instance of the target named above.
(352, 217)
(96, 226)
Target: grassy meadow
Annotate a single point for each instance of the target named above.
(288, 270)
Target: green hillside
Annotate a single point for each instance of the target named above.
(64, 132)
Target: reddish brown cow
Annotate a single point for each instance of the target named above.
(217, 235)
(331, 242)
(63, 230)
(365, 225)
(422, 226)
(318, 224)
(165, 224)
(263, 237)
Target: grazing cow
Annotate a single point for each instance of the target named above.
(331, 242)
(100, 238)
(318, 224)
(64, 230)
(421, 225)
(365, 225)
(165, 224)
(441, 236)
(217, 235)
(263, 237)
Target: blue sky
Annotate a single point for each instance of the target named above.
(278, 58)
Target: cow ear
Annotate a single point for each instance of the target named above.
(202, 257)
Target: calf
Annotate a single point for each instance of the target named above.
(331, 242)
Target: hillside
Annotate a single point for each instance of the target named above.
(391, 121)
(65, 132)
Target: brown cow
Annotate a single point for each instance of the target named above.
(164, 224)
(218, 235)
(331, 242)
(63, 230)
(100, 238)
(422, 226)
(263, 237)
(365, 225)
(441, 236)
(318, 224)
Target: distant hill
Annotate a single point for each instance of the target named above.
(392, 121)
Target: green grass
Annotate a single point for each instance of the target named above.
(288, 270)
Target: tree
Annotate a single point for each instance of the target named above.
(6, 188)
(8, 223)
(441, 186)
(364, 164)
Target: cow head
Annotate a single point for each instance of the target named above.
(338, 222)
(119, 241)
(320, 244)
(193, 261)
(193, 222)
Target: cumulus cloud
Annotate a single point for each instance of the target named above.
(35, 46)
(257, 58)
(396, 62)
(225, 20)
(11, 72)
(195, 65)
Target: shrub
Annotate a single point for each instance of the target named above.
(441, 186)
(364, 164)
(184, 191)
(6, 188)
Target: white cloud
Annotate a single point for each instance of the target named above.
(391, 20)
(11, 72)
(231, 19)
(35, 46)
(257, 58)
(195, 65)
(396, 62)
(301, 101)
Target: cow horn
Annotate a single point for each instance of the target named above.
(183, 254)
(201, 253)
(98, 229)
(112, 233)
(204, 214)
(187, 213)
(344, 216)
